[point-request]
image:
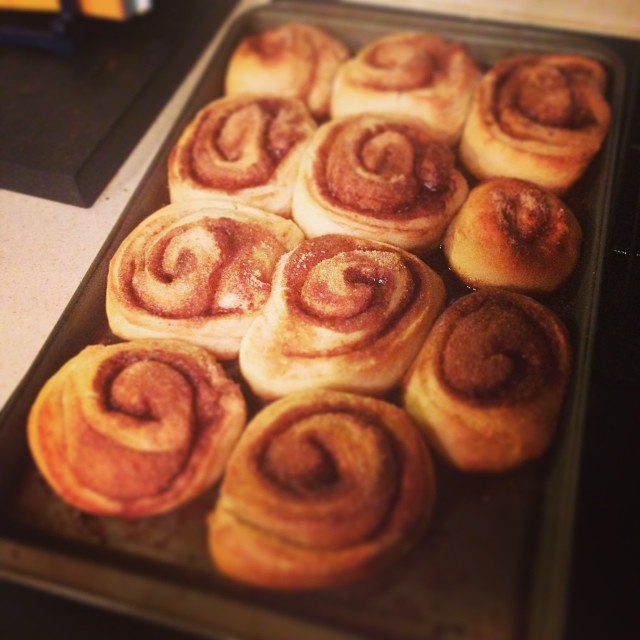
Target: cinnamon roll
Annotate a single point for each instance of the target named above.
(344, 313)
(513, 234)
(296, 60)
(324, 488)
(537, 117)
(135, 429)
(378, 176)
(244, 148)
(489, 382)
(414, 73)
(200, 271)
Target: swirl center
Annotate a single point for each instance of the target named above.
(175, 280)
(157, 398)
(372, 169)
(333, 291)
(348, 285)
(408, 66)
(231, 151)
(545, 96)
(334, 454)
(495, 353)
(308, 471)
(523, 215)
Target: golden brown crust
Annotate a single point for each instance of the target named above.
(488, 385)
(540, 118)
(245, 148)
(345, 313)
(135, 429)
(200, 271)
(513, 234)
(324, 488)
(294, 59)
(379, 176)
(412, 73)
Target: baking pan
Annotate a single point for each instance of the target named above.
(494, 564)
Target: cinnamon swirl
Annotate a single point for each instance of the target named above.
(378, 176)
(513, 234)
(294, 59)
(413, 73)
(135, 429)
(200, 271)
(537, 117)
(244, 148)
(324, 488)
(488, 385)
(344, 313)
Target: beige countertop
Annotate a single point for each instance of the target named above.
(620, 18)
(46, 247)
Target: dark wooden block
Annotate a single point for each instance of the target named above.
(68, 121)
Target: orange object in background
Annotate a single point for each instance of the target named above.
(114, 9)
(31, 5)
(109, 9)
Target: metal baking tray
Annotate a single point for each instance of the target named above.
(495, 563)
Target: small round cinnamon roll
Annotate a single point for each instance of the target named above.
(344, 313)
(489, 382)
(540, 118)
(324, 488)
(412, 73)
(294, 60)
(243, 148)
(199, 271)
(136, 428)
(378, 176)
(513, 234)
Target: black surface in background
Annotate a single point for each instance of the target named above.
(68, 121)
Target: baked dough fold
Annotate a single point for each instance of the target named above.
(244, 148)
(489, 382)
(137, 428)
(513, 234)
(379, 176)
(344, 313)
(413, 73)
(325, 488)
(294, 60)
(540, 118)
(199, 271)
